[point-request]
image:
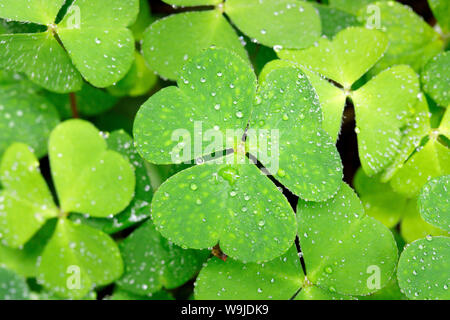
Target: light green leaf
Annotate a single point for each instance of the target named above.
(382, 107)
(170, 42)
(78, 258)
(441, 11)
(218, 95)
(413, 227)
(423, 269)
(331, 98)
(152, 262)
(436, 78)
(430, 161)
(344, 261)
(88, 178)
(229, 202)
(102, 49)
(411, 40)
(286, 101)
(12, 286)
(379, 200)
(346, 58)
(29, 114)
(285, 23)
(139, 208)
(434, 202)
(42, 59)
(25, 196)
(278, 279)
(37, 11)
(417, 127)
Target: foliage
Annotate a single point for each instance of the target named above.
(224, 149)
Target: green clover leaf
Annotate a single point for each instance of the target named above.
(88, 177)
(434, 203)
(392, 93)
(331, 98)
(139, 208)
(411, 40)
(12, 286)
(100, 50)
(423, 269)
(24, 197)
(436, 77)
(231, 280)
(417, 166)
(26, 112)
(221, 200)
(80, 251)
(337, 265)
(170, 42)
(152, 262)
(330, 257)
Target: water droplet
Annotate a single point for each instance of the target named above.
(194, 187)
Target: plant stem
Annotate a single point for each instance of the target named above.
(217, 252)
(73, 105)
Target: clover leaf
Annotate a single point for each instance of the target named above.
(434, 203)
(139, 208)
(79, 250)
(337, 264)
(392, 93)
(436, 77)
(231, 280)
(411, 40)
(26, 112)
(171, 41)
(152, 262)
(12, 286)
(223, 199)
(412, 170)
(24, 197)
(81, 45)
(423, 269)
(88, 179)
